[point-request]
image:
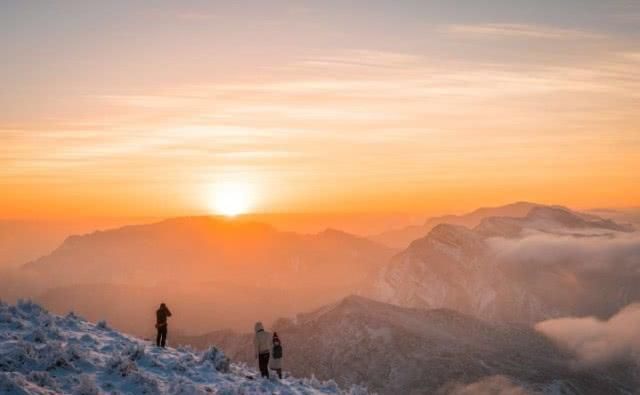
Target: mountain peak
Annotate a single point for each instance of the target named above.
(564, 217)
(516, 209)
(452, 235)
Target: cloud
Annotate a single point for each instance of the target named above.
(600, 253)
(596, 342)
(520, 30)
(587, 275)
(493, 385)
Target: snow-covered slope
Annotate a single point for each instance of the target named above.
(395, 350)
(41, 353)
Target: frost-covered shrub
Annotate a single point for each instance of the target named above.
(217, 358)
(54, 333)
(134, 352)
(357, 390)
(27, 306)
(47, 321)
(18, 356)
(71, 320)
(102, 325)
(86, 386)
(17, 325)
(121, 365)
(43, 379)
(142, 383)
(185, 348)
(182, 386)
(54, 356)
(185, 364)
(177, 366)
(326, 386)
(5, 317)
(88, 339)
(12, 383)
(37, 336)
(73, 352)
(24, 357)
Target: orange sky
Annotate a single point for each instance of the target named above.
(147, 115)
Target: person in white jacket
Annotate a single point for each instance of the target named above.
(262, 345)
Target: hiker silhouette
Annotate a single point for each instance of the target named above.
(161, 324)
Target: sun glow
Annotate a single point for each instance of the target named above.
(232, 198)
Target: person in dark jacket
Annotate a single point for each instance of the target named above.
(161, 324)
(276, 355)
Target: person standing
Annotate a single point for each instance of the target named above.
(262, 346)
(276, 354)
(161, 325)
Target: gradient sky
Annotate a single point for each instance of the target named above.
(144, 108)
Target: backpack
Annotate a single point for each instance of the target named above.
(277, 351)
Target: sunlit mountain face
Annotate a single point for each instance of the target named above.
(425, 197)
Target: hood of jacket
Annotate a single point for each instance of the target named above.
(259, 327)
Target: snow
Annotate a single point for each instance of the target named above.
(42, 353)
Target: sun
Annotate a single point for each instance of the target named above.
(231, 198)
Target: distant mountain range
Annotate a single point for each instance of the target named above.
(208, 267)
(25, 240)
(204, 249)
(395, 350)
(478, 271)
(401, 238)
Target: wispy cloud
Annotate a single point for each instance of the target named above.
(519, 30)
(335, 87)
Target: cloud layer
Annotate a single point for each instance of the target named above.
(521, 30)
(597, 342)
(588, 275)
